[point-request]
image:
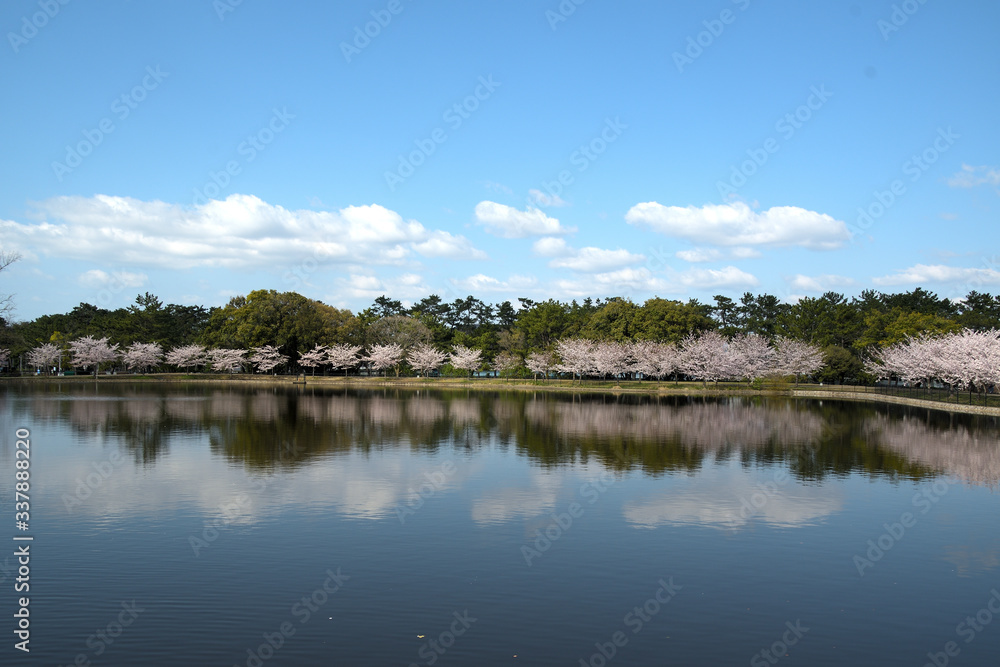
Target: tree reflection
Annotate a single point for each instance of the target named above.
(276, 427)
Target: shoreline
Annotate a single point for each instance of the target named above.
(494, 384)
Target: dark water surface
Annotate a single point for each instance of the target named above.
(224, 525)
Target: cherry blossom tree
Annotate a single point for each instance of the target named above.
(667, 358)
(44, 356)
(466, 358)
(383, 357)
(314, 357)
(227, 359)
(643, 356)
(142, 355)
(750, 356)
(576, 357)
(705, 357)
(796, 357)
(539, 363)
(92, 352)
(653, 359)
(611, 358)
(970, 359)
(343, 356)
(187, 356)
(967, 359)
(424, 358)
(506, 363)
(4, 357)
(267, 358)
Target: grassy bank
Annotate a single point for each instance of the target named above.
(955, 403)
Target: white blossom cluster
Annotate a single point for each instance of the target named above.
(966, 358)
(707, 356)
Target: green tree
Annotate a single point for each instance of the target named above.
(615, 321)
(883, 329)
(979, 311)
(670, 321)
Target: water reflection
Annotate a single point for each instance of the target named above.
(725, 449)
(730, 499)
(757, 505)
(276, 427)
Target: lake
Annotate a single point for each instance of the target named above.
(226, 524)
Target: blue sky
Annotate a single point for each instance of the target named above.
(200, 149)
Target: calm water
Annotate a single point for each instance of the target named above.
(196, 524)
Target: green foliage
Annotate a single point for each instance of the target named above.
(883, 329)
(615, 321)
(843, 327)
(841, 365)
(287, 320)
(670, 321)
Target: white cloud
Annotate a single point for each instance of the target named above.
(583, 260)
(95, 278)
(744, 253)
(594, 260)
(699, 255)
(970, 177)
(551, 246)
(540, 198)
(444, 244)
(821, 283)
(240, 232)
(615, 283)
(642, 280)
(737, 224)
(369, 287)
(511, 223)
(729, 276)
(939, 273)
(483, 283)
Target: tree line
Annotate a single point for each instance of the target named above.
(843, 330)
